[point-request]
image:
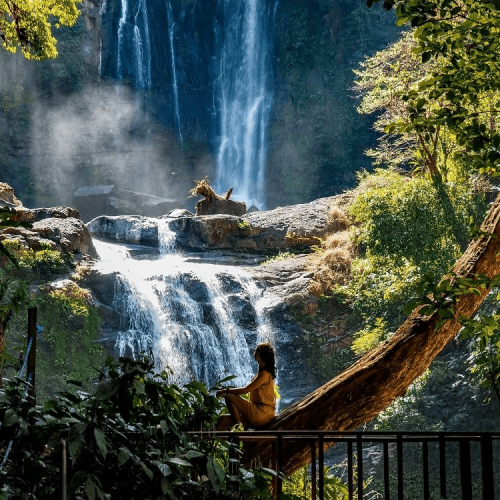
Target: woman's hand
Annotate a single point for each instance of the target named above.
(222, 393)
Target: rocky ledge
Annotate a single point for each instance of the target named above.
(291, 227)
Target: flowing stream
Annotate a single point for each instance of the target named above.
(200, 319)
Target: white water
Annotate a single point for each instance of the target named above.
(186, 313)
(171, 32)
(244, 97)
(135, 27)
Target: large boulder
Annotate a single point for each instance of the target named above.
(135, 229)
(55, 212)
(70, 235)
(220, 206)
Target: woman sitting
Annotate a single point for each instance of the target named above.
(260, 410)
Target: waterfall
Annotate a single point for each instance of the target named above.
(133, 38)
(244, 97)
(171, 32)
(199, 319)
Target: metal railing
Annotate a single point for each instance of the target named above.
(433, 462)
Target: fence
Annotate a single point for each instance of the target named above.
(392, 443)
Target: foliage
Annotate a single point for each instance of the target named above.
(130, 439)
(276, 258)
(370, 336)
(27, 24)
(405, 230)
(71, 328)
(458, 41)
(41, 263)
(403, 414)
(244, 225)
(484, 334)
(298, 486)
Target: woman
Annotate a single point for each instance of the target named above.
(260, 409)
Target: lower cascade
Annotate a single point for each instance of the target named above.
(198, 318)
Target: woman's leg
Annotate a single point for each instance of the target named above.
(239, 409)
(224, 423)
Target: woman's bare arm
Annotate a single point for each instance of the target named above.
(257, 381)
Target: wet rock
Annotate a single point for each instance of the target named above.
(209, 314)
(228, 283)
(243, 312)
(196, 288)
(178, 212)
(103, 285)
(126, 229)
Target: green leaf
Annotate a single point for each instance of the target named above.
(90, 489)
(101, 442)
(123, 455)
(164, 469)
(148, 471)
(179, 461)
(10, 418)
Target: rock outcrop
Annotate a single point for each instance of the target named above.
(58, 228)
(291, 227)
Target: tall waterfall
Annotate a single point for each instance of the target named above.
(244, 96)
(133, 38)
(199, 319)
(171, 32)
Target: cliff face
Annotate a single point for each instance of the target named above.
(135, 105)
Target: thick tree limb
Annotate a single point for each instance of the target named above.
(361, 392)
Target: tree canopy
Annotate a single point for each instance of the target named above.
(28, 24)
(458, 42)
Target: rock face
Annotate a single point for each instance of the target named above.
(58, 228)
(215, 206)
(315, 140)
(282, 228)
(126, 228)
(70, 234)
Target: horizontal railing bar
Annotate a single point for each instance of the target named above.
(352, 433)
(352, 436)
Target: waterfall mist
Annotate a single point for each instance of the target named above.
(104, 136)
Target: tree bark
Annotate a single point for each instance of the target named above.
(361, 392)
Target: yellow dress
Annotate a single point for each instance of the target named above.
(261, 408)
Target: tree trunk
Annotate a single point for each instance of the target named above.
(361, 392)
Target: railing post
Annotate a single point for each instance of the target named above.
(387, 493)
(442, 465)
(314, 484)
(465, 472)
(487, 467)
(400, 465)
(275, 467)
(32, 311)
(279, 464)
(359, 447)
(425, 464)
(321, 467)
(349, 470)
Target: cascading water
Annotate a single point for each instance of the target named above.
(171, 32)
(133, 38)
(198, 319)
(244, 97)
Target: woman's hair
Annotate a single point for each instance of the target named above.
(266, 353)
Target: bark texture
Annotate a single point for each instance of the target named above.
(361, 392)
